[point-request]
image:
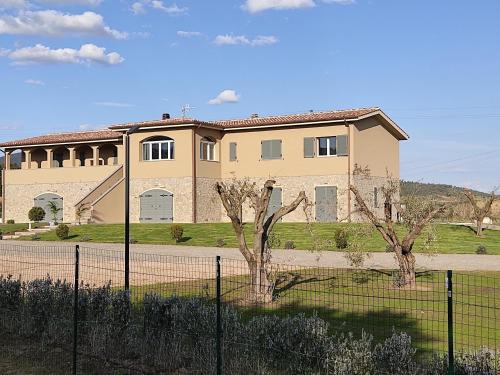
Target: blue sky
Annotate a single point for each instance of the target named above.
(433, 66)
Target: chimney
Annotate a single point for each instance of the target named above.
(165, 116)
(254, 115)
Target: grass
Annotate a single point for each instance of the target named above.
(12, 228)
(356, 301)
(450, 238)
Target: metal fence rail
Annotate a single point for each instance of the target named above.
(88, 323)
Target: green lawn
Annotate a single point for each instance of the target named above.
(356, 301)
(12, 228)
(451, 238)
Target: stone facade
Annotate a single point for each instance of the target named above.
(19, 199)
(181, 188)
(208, 206)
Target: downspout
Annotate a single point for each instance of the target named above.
(2, 172)
(348, 126)
(194, 187)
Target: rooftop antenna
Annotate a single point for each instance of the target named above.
(185, 110)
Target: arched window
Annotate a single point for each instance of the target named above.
(158, 148)
(207, 149)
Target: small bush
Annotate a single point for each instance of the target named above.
(62, 231)
(289, 245)
(341, 238)
(176, 232)
(221, 242)
(36, 237)
(11, 221)
(133, 241)
(36, 214)
(481, 250)
(273, 241)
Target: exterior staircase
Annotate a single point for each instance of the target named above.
(103, 189)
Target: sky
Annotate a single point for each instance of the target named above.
(432, 66)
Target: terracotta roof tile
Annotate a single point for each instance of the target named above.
(297, 118)
(97, 135)
(172, 121)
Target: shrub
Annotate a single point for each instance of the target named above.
(341, 238)
(273, 241)
(221, 242)
(86, 238)
(62, 231)
(10, 293)
(36, 237)
(36, 214)
(11, 221)
(176, 232)
(133, 241)
(396, 355)
(481, 250)
(289, 245)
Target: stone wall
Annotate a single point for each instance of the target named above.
(180, 187)
(208, 206)
(19, 199)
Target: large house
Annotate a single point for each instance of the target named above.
(175, 162)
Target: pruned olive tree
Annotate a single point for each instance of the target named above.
(258, 258)
(480, 211)
(415, 215)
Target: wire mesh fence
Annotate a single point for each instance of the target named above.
(204, 315)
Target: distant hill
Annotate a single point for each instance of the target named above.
(15, 158)
(435, 190)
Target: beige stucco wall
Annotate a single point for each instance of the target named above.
(293, 163)
(375, 147)
(110, 208)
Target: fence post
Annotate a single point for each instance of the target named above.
(218, 339)
(449, 287)
(75, 307)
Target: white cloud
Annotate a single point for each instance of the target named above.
(188, 34)
(137, 8)
(254, 6)
(226, 96)
(4, 52)
(114, 104)
(170, 9)
(13, 4)
(34, 82)
(88, 53)
(232, 40)
(72, 2)
(54, 23)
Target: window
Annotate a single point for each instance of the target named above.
(233, 148)
(158, 148)
(271, 149)
(327, 146)
(207, 149)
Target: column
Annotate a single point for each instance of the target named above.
(7, 159)
(50, 157)
(27, 158)
(71, 156)
(96, 155)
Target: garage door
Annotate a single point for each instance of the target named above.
(44, 202)
(275, 202)
(326, 204)
(157, 207)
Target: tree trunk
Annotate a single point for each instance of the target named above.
(261, 288)
(479, 227)
(406, 261)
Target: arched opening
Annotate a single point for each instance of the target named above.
(38, 158)
(158, 148)
(207, 149)
(60, 157)
(52, 204)
(17, 158)
(84, 156)
(108, 154)
(157, 206)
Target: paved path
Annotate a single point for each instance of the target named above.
(457, 262)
